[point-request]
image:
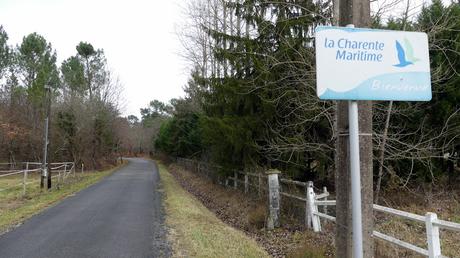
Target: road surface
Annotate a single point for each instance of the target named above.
(121, 216)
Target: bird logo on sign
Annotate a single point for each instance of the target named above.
(405, 55)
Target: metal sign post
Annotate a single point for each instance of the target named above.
(355, 172)
(355, 180)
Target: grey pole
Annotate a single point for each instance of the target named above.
(355, 180)
(46, 177)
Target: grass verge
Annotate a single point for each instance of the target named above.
(15, 208)
(197, 232)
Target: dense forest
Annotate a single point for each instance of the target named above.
(251, 100)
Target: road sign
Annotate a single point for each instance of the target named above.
(367, 64)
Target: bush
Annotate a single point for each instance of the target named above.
(257, 216)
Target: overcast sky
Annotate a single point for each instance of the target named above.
(138, 37)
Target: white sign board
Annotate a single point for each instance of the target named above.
(367, 64)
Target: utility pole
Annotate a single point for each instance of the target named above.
(356, 12)
(46, 172)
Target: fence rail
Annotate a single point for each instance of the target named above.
(60, 170)
(431, 221)
(313, 201)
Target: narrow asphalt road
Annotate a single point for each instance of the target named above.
(121, 216)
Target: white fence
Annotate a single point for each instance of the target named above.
(60, 170)
(431, 221)
(313, 201)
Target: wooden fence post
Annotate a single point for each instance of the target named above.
(24, 179)
(65, 171)
(308, 211)
(82, 168)
(274, 199)
(246, 183)
(60, 178)
(432, 235)
(312, 219)
(325, 198)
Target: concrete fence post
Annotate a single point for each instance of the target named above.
(432, 236)
(235, 178)
(312, 219)
(273, 199)
(246, 183)
(82, 168)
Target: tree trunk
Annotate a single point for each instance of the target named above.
(382, 152)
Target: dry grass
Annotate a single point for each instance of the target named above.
(309, 251)
(445, 204)
(15, 208)
(11, 186)
(232, 207)
(197, 232)
(257, 216)
(248, 213)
